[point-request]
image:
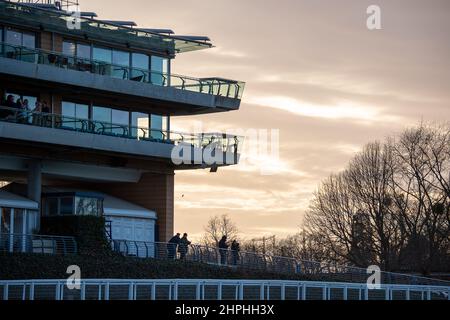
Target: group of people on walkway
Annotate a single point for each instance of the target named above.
(180, 245)
(21, 110)
(235, 248)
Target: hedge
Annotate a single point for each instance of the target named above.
(29, 266)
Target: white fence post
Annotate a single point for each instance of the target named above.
(107, 291)
(219, 291)
(5, 292)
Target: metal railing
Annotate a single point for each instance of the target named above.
(96, 289)
(60, 4)
(37, 244)
(212, 86)
(263, 263)
(222, 142)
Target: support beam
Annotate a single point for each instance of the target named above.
(34, 186)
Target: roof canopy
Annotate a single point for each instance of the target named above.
(11, 200)
(107, 31)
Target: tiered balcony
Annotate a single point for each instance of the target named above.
(168, 93)
(211, 86)
(32, 126)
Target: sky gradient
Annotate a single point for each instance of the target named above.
(315, 72)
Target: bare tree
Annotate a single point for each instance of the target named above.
(391, 205)
(217, 227)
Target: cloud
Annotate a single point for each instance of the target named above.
(226, 53)
(341, 110)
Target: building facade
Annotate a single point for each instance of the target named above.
(85, 120)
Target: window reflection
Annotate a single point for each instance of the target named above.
(72, 112)
(159, 68)
(21, 39)
(83, 51)
(140, 124)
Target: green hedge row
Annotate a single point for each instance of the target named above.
(27, 267)
(89, 232)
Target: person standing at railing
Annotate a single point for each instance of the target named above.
(24, 111)
(172, 246)
(36, 113)
(235, 249)
(223, 250)
(9, 103)
(183, 247)
(46, 120)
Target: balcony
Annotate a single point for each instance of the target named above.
(206, 94)
(37, 244)
(55, 129)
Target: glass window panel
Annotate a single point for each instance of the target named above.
(13, 37)
(102, 54)
(140, 123)
(83, 51)
(51, 208)
(68, 115)
(5, 221)
(18, 221)
(159, 68)
(29, 40)
(66, 206)
(102, 115)
(31, 102)
(121, 118)
(69, 48)
(68, 109)
(32, 224)
(156, 127)
(87, 206)
(82, 111)
(121, 58)
(140, 61)
(121, 61)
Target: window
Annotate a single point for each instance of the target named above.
(17, 38)
(121, 118)
(121, 61)
(21, 39)
(118, 120)
(140, 124)
(66, 206)
(160, 68)
(140, 63)
(88, 206)
(156, 124)
(31, 99)
(69, 48)
(71, 112)
(83, 51)
(102, 54)
(51, 207)
(5, 221)
(101, 114)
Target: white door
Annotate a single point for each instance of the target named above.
(139, 234)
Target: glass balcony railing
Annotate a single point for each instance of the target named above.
(211, 86)
(222, 142)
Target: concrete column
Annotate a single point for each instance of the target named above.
(34, 187)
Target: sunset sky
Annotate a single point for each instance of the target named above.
(315, 72)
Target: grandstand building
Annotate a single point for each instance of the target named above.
(85, 122)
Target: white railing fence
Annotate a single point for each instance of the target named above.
(213, 290)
